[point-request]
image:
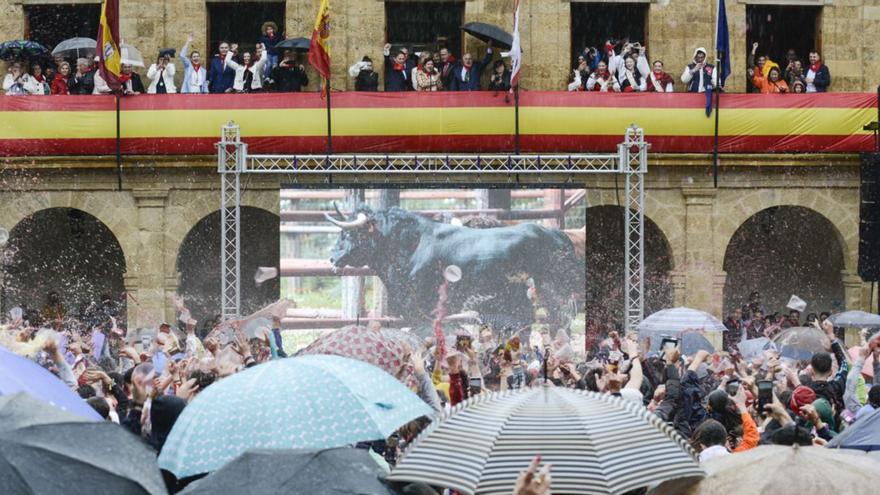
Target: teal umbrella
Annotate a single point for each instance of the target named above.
(21, 49)
(309, 402)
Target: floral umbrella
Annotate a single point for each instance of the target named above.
(356, 342)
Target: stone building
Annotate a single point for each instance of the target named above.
(793, 216)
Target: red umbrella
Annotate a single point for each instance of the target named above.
(363, 344)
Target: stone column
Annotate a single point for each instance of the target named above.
(148, 284)
(679, 287)
(702, 289)
(852, 291)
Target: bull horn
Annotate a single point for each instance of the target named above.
(357, 222)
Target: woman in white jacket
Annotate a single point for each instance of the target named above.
(630, 77)
(161, 75)
(247, 74)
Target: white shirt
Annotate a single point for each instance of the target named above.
(811, 76)
(713, 452)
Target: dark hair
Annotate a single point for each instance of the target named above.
(821, 362)
(498, 63)
(591, 377)
(655, 62)
(874, 396)
(203, 378)
(86, 391)
(792, 434)
(100, 405)
(367, 59)
(709, 433)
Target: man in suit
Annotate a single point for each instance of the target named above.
(397, 71)
(466, 75)
(220, 75)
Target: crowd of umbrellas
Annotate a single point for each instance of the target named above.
(290, 426)
(70, 48)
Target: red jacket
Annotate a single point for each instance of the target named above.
(59, 85)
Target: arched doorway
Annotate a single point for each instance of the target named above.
(781, 251)
(605, 266)
(198, 262)
(67, 251)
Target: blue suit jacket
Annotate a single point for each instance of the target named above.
(473, 82)
(220, 79)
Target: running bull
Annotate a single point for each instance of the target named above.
(409, 252)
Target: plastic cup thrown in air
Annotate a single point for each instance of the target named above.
(452, 273)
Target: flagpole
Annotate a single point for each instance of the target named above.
(329, 128)
(516, 117)
(717, 112)
(118, 147)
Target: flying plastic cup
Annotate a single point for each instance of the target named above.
(452, 274)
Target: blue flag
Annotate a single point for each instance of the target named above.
(722, 43)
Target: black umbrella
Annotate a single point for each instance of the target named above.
(46, 450)
(488, 32)
(21, 49)
(338, 471)
(295, 44)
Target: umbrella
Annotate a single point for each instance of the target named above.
(131, 56)
(782, 469)
(414, 342)
(597, 443)
(800, 343)
(19, 374)
(488, 32)
(76, 47)
(46, 450)
(303, 402)
(864, 434)
(693, 342)
(676, 320)
(752, 348)
(338, 471)
(363, 344)
(855, 319)
(296, 44)
(18, 49)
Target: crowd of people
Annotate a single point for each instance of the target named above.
(722, 401)
(619, 66)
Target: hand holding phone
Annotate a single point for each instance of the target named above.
(765, 394)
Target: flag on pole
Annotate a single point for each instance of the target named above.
(109, 54)
(722, 44)
(515, 50)
(319, 49)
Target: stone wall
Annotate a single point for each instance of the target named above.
(676, 27)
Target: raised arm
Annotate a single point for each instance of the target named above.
(184, 51)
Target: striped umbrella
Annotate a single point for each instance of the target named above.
(596, 443)
(676, 320)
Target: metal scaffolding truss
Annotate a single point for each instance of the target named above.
(631, 160)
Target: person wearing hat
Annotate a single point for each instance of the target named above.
(699, 76)
(269, 39)
(161, 74)
(365, 78)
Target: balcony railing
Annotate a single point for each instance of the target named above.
(479, 122)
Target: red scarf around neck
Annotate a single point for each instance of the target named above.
(815, 67)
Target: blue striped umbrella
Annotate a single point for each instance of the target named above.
(597, 444)
(309, 402)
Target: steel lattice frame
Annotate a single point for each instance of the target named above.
(631, 161)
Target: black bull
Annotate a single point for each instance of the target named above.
(409, 252)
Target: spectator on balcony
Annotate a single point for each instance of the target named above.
(269, 39)
(247, 73)
(658, 80)
(221, 76)
(580, 73)
(289, 76)
(630, 78)
(761, 66)
(447, 63)
(466, 75)
(131, 81)
(39, 82)
(161, 76)
(428, 77)
(602, 80)
(83, 80)
(365, 78)
(699, 76)
(59, 83)
(195, 77)
(101, 86)
(773, 83)
(798, 86)
(818, 76)
(423, 57)
(794, 72)
(617, 63)
(397, 74)
(500, 80)
(17, 82)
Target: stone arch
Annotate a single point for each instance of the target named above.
(785, 250)
(66, 250)
(198, 262)
(605, 264)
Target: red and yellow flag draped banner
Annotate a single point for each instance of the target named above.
(319, 50)
(109, 53)
(467, 122)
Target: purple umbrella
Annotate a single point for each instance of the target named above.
(19, 374)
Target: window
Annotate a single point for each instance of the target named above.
(594, 23)
(425, 25)
(778, 28)
(241, 22)
(51, 24)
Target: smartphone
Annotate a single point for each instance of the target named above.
(765, 394)
(668, 344)
(732, 387)
(475, 384)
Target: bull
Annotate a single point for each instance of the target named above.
(409, 252)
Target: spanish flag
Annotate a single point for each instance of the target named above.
(109, 54)
(319, 50)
